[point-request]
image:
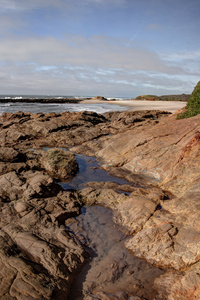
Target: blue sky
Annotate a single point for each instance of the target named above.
(111, 48)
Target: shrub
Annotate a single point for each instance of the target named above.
(193, 105)
(147, 97)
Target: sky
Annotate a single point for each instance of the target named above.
(111, 48)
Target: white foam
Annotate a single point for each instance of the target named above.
(58, 108)
(5, 104)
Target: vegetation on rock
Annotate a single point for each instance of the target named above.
(193, 105)
(182, 97)
(148, 97)
(61, 164)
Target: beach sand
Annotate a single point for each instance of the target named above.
(134, 105)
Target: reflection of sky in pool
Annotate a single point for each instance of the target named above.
(89, 170)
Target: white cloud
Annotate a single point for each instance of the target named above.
(189, 59)
(78, 65)
(71, 80)
(90, 66)
(45, 68)
(185, 55)
(78, 51)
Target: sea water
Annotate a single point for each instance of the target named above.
(55, 107)
(58, 108)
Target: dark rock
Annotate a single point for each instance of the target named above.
(101, 98)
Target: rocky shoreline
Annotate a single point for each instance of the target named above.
(63, 100)
(158, 214)
(42, 100)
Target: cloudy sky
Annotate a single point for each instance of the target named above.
(111, 48)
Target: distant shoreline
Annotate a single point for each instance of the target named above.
(133, 105)
(74, 99)
(42, 100)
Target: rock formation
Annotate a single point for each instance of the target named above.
(159, 211)
(101, 98)
(59, 163)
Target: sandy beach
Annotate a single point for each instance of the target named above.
(170, 106)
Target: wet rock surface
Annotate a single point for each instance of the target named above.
(112, 269)
(158, 214)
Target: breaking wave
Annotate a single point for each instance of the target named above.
(58, 108)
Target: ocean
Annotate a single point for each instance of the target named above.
(54, 107)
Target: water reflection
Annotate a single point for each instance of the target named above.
(90, 170)
(111, 267)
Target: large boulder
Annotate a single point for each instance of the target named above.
(59, 163)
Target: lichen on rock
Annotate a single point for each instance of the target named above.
(59, 163)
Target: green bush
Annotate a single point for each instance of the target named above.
(147, 97)
(193, 105)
